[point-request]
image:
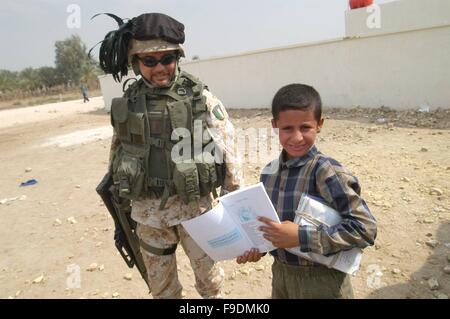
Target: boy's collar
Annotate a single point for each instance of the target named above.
(298, 161)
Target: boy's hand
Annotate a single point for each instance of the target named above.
(249, 256)
(284, 235)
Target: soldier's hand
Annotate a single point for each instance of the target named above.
(252, 255)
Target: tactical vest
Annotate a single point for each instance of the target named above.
(144, 120)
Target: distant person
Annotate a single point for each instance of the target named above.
(84, 90)
(301, 168)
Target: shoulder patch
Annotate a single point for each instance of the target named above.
(218, 113)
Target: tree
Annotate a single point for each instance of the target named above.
(48, 76)
(90, 70)
(72, 64)
(71, 56)
(8, 81)
(29, 79)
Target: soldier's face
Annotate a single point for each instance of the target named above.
(160, 74)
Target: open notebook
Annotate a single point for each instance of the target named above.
(231, 228)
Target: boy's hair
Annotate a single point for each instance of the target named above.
(297, 97)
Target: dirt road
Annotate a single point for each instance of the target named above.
(52, 229)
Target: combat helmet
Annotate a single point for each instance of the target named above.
(148, 32)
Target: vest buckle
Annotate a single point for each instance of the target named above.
(181, 91)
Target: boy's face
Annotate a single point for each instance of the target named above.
(297, 131)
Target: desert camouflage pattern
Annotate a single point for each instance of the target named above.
(208, 276)
(146, 211)
(154, 45)
(222, 131)
(162, 228)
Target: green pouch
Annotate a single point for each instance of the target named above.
(180, 114)
(207, 177)
(129, 170)
(136, 124)
(119, 118)
(186, 181)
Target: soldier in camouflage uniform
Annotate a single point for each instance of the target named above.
(162, 100)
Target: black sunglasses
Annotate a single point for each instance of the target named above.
(151, 62)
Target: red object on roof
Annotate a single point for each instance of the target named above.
(355, 4)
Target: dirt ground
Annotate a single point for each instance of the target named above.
(50, 230)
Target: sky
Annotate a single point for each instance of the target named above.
(30, 28)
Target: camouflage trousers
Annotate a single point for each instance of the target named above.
(162, 270)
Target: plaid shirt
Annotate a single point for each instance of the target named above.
(319, 176)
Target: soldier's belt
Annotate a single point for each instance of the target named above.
(158, 251)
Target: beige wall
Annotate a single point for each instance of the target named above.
(401, 70)
(405, 66)
(111, 88)
(398, 16)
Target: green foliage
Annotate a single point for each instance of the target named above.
(71, 58)
(29, 79)
(72, 65)
(90, 70)
(49, 76)
(8, 80)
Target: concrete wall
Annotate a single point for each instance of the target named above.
(402, 65)
(111, 88)
(400, 70)
(397, 16)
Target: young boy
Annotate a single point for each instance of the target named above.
(301, 168)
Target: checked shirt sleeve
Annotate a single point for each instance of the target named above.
(341, 190)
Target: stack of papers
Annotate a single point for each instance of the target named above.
(231, 228)
(312, 212)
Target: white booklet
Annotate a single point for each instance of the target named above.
(312, 212)
(231, 228)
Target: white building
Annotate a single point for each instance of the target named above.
(396, 55)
